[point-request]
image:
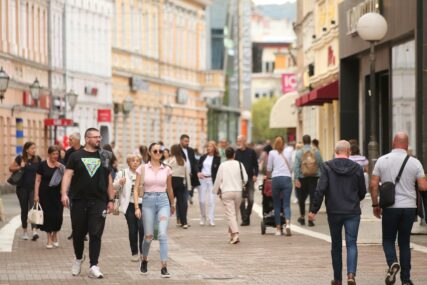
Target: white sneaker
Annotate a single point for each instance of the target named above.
(212, 224)
(25, 236)
(288, 230)
(202, 222)
(77, 266)
(94, 272)
(135, 258)
(278, 232)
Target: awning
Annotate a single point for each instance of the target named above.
(319, 96)
(284, 113)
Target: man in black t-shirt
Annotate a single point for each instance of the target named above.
(92, 197)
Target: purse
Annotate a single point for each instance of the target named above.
(116, 210)
(57, 176)
(16, 177)
(388, 189)
(267, 188)
(35, 215)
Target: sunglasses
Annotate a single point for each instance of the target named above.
(157, 151)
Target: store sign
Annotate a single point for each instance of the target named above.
(49, 122)
(138, 84)
(104, 116)
(90, 90)
(354, 14)
(44, 101)
(289, 82)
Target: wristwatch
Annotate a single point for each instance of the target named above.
(111, 200)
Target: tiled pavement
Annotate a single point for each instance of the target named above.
(199, 255)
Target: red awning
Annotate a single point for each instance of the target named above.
(319, 96)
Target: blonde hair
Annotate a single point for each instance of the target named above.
(213, 143)
(279, 144)
(131, 157)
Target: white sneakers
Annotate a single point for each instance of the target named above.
(202, 222)
(95, 272)
(25, 236)
(135, 258)
(288, 230)
(278, 232)
(77, 266)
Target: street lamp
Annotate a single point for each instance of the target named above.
(4, 83)
(127, 105)
(168, 111)
(72, 99)
(372, 27)
(35, 90)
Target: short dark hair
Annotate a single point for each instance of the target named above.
(229, 152)
(354, 149)
(90, 130)
(316, 142)
(184, 136)
(52, 149)
(306, 139)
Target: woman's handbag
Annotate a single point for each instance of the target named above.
(57, 176)
(16, 177)
(35, 215)
(388, 189)
(116, 210)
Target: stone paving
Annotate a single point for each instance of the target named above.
(199, 255)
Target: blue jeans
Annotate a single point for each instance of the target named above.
(398, 222)
(351, 226)
(156, 209)
(281, 184)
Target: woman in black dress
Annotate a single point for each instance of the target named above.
(49, 197)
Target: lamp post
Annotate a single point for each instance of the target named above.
(72, 99)
(4, 83)
(35, 90)
(127, 105)
(372, 27)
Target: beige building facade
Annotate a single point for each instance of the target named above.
(318, 114)
(24, 57)
(159, 63)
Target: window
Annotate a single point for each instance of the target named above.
(404, 91)
(256, 95)
(217, 56)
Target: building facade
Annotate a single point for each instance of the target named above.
(24, 57)
(88, 65)
(159, 59)
(399, 75)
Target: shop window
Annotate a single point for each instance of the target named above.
(404, 90)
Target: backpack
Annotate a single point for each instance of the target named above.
(309, 167)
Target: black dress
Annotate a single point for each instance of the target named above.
(50, 200)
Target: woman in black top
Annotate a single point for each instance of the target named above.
(49, 197)
(28, 162)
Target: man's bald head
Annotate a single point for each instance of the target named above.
(342, 148)
(401, 140)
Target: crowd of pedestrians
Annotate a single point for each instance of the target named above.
(159, 182)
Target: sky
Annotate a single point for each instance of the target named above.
(261, 2)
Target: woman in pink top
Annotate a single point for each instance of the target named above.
(157, 204)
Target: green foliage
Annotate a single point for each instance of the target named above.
(261, 120)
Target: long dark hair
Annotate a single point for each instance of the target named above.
(176, 152)
(149, 149)
(27, 145)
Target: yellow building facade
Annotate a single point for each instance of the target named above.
(159, 62)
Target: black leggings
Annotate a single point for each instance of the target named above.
(179, 190)
(88, 217)
(26, 201)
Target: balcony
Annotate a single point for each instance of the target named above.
(212, 80)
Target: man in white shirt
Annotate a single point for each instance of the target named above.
(397, 220)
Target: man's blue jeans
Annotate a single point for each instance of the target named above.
(351, 226)
(398, 222)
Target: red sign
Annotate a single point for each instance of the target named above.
(104, 116)
(44, 101)
(58, 122)
(289, 82)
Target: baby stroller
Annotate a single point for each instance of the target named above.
(268, 208)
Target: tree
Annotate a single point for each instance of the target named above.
(261, 120)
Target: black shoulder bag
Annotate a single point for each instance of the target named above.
(388, 189)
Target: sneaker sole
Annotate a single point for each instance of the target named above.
(83, 259)
(394, 270)
(165, 276)
(94, 277)
(143, 273)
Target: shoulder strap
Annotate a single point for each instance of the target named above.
(286, 161)
(241, 173)
(401, 169)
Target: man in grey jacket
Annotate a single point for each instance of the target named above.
(343, 184)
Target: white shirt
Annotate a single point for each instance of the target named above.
(187, 160)
(228, 178)
(276, 163)
(387, 168)
(207, 166)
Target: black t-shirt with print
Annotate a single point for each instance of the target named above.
(90, 179)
